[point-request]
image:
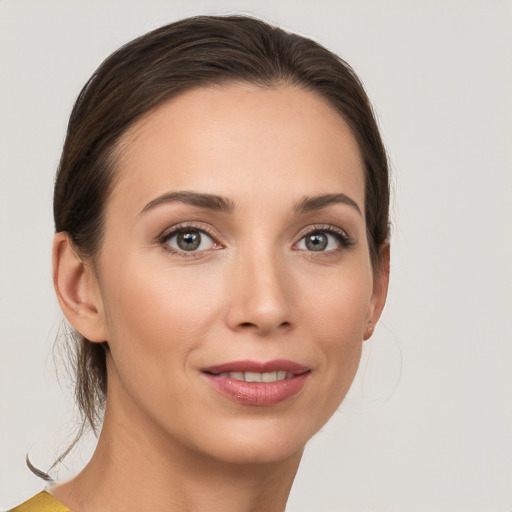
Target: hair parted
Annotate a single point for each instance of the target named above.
(157, 66)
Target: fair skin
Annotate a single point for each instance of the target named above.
(278, 269)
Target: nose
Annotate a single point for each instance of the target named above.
(260, 295)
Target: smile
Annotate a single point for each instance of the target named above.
(258, 377)
(258, 384)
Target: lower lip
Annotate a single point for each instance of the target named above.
(262, 394)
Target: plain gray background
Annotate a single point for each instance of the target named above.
(440, 76)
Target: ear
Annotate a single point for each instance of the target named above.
(380, 289)
(77, 290)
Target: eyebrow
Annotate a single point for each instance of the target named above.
(209, 201)
(314, 203)
(223, 204)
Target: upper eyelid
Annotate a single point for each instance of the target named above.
(344, 239)
(322, 227)
(173, 230)
(163, 239)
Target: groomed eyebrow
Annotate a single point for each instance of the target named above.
(209, 201)
(309, 203)
(223, 204)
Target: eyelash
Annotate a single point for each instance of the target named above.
(167, 235)
(345, 241)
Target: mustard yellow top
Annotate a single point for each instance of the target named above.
(42, 502)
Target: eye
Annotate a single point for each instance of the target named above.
(324, 240)
(189, 240)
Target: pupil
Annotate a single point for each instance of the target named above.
(316, 242)
(189, 240)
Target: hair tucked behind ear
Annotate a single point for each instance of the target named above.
(154, 68)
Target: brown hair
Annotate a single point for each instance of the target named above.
(157, 66)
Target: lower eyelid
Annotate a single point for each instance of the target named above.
(339, 234)
(340, 245)
(164, 239)
(203, 234)
(344, 241)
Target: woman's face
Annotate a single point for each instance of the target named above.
(235, 250)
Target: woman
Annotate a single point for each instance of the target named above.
(221, 250)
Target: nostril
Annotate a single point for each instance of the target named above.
(253, 325)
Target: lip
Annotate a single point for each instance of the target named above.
(256, 366)
(262, 394)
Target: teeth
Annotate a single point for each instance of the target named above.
(269, 377)
(252, 377)
(258, 377)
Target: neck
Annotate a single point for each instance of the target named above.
(136, 467)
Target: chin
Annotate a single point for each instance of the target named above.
(244, 453)
(255, 442)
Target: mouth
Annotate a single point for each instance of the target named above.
(258, 384)
(257, 376)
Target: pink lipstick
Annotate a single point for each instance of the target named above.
(259, 384)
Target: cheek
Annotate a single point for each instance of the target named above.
(156, 319)
(155, 309)
(337, 316)
(338, 304)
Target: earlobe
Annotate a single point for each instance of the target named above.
(77, 290)
(380, 289)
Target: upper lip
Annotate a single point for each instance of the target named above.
(258, 367)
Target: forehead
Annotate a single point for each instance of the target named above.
(234, 139)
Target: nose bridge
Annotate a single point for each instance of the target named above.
(260, 290)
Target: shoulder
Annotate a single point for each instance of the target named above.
(42, 502)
